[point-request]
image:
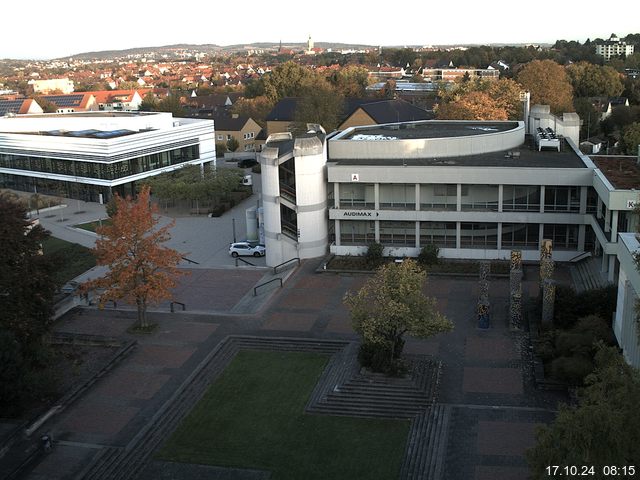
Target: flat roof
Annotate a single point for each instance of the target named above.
(525, 156)
(623, 172)
(98, 113)
(427, 129)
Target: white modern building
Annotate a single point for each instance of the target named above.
(613, 48)
(625, 324)
(91, 155)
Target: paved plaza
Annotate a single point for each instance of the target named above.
(494, 407)
(485, 381)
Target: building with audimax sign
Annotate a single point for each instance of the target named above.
(91, 155)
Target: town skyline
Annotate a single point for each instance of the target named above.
(492, 22)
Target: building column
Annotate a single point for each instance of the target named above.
(500, 228)
(605, 262)
(583, 200)
(417, 196)
(336, 195)
(376, 200)
(542, 191)
(607, 220)
(612, 268)
(377, 230)
(458, 233)
(599, 208)
(582, 233)
(459, 200)
(417, 234)
(614, 226)
(500, 199)
(337, 232)
(540, 235)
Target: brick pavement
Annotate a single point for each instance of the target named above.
(495, 409)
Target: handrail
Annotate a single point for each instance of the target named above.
(177, 303)
(578, 257)
(275, 269)
(255, 289)
(243, 260)
(190, 261)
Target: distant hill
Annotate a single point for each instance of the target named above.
(207, 48)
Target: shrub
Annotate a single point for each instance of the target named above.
(428, 255)
(570, 306)
(379, 358)
(374, 257)
(572, 369)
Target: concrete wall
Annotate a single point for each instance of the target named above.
(624, 326)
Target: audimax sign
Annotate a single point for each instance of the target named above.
(360, 213)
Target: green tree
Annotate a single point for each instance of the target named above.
(392, 304)
(320, 104)
(256, 108)
(233, 144)
(351, 81)
(589, 80)
(26, 277)
(171, 103)
(549, 84)
(631, 138)
(481, 100)
(149, 103)
(602, 430)
(286, 80)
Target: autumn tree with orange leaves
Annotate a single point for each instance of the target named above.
(141, 269)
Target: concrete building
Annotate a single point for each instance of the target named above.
(58, 85)
(93, 154)
(613, 48)
(625, 323)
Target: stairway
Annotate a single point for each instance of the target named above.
(586, 274)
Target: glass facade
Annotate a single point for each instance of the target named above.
(398, 196)
(520, 235)
(562, 199)
(98, 170)
(479, 235)
(353, 232)
(442, 234)
(355, 195)
(399, 234)
(564, 237)
(480, 197)
(520, 198)
(439, 197)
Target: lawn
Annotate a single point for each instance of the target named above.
(70, 259)
(253, 417)
(91, 226)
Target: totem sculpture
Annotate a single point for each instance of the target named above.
(483, 295)
(547, 285)
(515, 290)
(548, 300)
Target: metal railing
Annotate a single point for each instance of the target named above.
(243, 261)
(190, 261)
(579, 257)
(275, 269)
(255, 289)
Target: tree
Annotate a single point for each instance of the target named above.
(351, 81)
(391, 304)
(321, 104)
(171, 103)
(232, 144)
(549, 84)
(589, 80)
(472, 106)
(149, 103)
(141, 269)
(26, 277)
(631, 138)
(286, 80)
(602, 430)
(481, 100)
(256, 108)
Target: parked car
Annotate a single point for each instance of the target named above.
(246, 249)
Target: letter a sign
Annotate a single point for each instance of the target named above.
(355, 177)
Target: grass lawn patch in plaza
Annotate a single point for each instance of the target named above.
(91, 226)
(70, 259)
(253, 417)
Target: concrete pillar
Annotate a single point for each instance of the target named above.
(612, 268)
(417, 234)
(542, 192)
(540, 235)
(614, 226)
(376, 197)
(582, 233)
(336, 194)
(417, 196)
(599, 208)
(458, 229)
(607, 220)
(605, 262)
(499, 234)
(583, 200)
(377, 231)
(500, 199)
(548, 300)
(459, 198)
(337, 231)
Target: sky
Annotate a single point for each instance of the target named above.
(70, 27)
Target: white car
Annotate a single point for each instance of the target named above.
(246, 249)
